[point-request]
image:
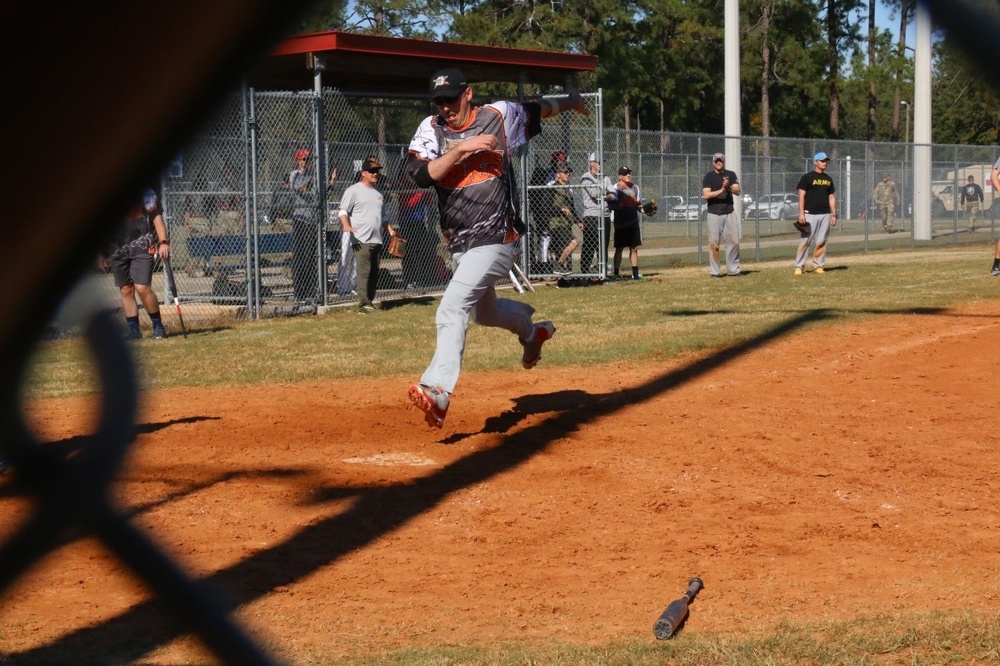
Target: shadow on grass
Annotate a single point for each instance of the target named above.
(380, 510)
(413, 300)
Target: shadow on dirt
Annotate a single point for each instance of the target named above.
(380, 510)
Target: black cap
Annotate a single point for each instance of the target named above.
(448, 83)
(623, 170)
(371, 165)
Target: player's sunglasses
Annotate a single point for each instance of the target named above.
(442, 101)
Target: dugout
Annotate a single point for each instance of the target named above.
(343, 96)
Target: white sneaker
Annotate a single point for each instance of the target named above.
(433, 401)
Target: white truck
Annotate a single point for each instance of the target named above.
(947, 192)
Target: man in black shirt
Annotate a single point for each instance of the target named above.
(718, 187)
(972, 200)
(818, 208)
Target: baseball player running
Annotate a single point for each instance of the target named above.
(464, 152)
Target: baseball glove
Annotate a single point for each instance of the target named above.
(397, 246)
(804, 227)
(650, 207)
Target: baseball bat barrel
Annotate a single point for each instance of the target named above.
(172, 288)
(673, 617)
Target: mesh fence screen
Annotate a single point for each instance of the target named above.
(245, 245)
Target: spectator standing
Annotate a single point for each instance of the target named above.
(596, 217)
(718, 187)
(972, 200)
(540, 210)
(361, 219)
(465, 152)
(886, 198)
(563, 218)
(305, 227)
(130, 258)
(625, 201)
(818, 208)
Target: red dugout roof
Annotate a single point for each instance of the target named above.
(401, 65)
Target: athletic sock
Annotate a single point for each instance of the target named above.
(133, 322)
(635, 272)
(154, 317)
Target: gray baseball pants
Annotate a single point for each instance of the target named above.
(471, 292)
(819, 234)
(724, 227)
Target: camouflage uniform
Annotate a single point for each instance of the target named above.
(886, 199)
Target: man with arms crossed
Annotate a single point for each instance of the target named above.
(596, 217)
(718, 187)
(818, 208)
(464, 152)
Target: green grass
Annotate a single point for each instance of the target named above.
(676, 311)
(913, 640)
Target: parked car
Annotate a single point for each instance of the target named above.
(690, 212)
(774, 207)
(669, 202)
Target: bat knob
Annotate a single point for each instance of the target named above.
(663, 630)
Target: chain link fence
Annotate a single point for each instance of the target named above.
(245, 246)
(670, 167)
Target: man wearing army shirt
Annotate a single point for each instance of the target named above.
(818, 208)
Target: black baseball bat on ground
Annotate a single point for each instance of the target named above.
(672, 618)
(172, 288)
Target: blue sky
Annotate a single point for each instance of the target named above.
(882, 20)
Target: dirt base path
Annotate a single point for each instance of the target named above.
(796, 476)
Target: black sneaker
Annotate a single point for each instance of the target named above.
(133, 334)
(159, 332)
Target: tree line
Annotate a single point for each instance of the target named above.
(808, 68)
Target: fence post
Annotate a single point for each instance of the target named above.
(320, 176)
(251, 275)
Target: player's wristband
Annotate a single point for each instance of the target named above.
(164, 242)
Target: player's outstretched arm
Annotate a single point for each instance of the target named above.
(553, 106)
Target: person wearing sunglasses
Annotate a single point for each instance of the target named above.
(817, 214)
(465, 152)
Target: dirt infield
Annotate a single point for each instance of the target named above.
(806, 475)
